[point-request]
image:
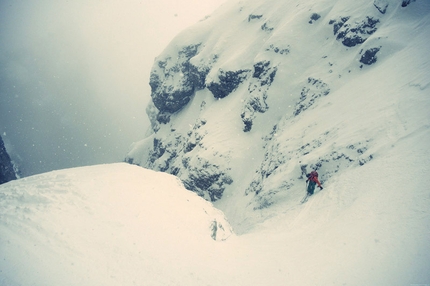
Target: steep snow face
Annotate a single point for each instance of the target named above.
(246, 100)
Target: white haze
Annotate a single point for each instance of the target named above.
(74, 75)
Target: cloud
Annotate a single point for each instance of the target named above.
(74, 75)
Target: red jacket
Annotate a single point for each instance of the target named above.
(314, 179)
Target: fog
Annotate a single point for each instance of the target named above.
(74, 75)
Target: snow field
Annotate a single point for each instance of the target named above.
(121, 224)
(103, 225)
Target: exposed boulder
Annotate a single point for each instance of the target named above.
(314, 17)
(369, 56)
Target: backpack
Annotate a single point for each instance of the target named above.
(313, 174)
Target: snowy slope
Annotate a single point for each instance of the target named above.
(124, 225)
(246, 99)
(104, 225)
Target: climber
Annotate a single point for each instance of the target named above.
(313, 180)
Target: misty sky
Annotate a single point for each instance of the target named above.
(74, 75)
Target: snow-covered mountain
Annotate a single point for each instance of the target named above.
(243, 101)
(246, 99)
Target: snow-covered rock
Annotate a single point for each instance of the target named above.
(246, 99)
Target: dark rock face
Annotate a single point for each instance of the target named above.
(179, 155)
(198, 75)
(369, 56)
(262, 78)
(228, 81)
(186, 156)
(352, 34)
(174, 82)
(205, 178)
(262, 72)
(163, 117)
(7, 172)
(337, 24)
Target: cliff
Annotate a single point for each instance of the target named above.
(248, 99)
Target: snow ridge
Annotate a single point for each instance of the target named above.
(101, 225)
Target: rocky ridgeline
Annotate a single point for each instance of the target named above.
(178, 76)
(7, 172)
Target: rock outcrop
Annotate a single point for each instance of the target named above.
(7, 172)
